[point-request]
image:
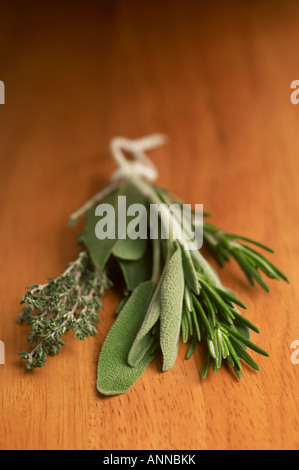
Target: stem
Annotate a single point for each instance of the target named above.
(156, 260)
(207, 269)
(97, 197)
(71, 265)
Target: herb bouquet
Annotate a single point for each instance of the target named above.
(171, 292)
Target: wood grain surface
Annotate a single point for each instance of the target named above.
(215, 77)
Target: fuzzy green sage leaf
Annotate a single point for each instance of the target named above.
(115, 376)
(145, 331)
(172, 293)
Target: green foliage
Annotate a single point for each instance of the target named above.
(69, 302)
(225, 246)
(172, 291)
(115, 375)
(147, 327)
(101, 250)
(169, 293)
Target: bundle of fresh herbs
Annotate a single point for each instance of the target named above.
(170, 292)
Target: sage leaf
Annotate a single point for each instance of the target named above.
(188, 264)
(136, 271)
(145, 332)
(172, 292)
(141, 347)
(114, 375)
(154, 311)
(134, 245)
(99, 250)
(128, 249)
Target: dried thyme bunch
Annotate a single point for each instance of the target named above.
(69, 302)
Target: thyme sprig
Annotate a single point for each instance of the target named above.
(68, 302)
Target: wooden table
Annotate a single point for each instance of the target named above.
(216, 79)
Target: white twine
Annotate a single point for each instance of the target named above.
(141, 165)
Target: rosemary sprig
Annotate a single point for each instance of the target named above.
(213, 318)
(69, 302)
(225, 246)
